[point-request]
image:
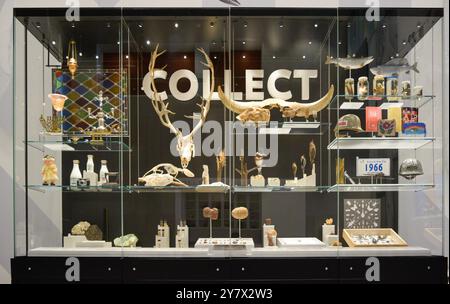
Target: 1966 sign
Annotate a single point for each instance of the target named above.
(373, 166)
(253, 84)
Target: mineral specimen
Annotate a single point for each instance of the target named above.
(129, 240)
(80, 228)
(94, 233)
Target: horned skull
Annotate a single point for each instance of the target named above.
(185, 144)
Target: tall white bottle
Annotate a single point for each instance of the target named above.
(103, 171)
(75, 175)
(90, 173)
(90, 163)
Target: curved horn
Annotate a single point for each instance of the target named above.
(239, 107)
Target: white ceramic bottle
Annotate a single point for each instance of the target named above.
(75, 175)
(103, 171)
(90, 163)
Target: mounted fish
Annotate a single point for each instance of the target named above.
(164, 175)
(394, 67)
(259, 111)
(350, 63)
(185, 146)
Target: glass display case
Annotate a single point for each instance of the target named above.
(305, 140)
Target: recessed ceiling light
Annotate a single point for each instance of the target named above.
(304, 57)
(316, 25)
(97, 57)
(384, 26)
(176, 25)
(245, 24)
(148, 42)
(118, 42)
(80, 54)
(274, 57)
(397, 55)
(215, 57)
(392, 57)
(54, 42)
(404, 42)
(310, 42)
(140, 25)
(127, 56)
(211, 24)
(281, 25)
(349, 25)
(185, 57)
(67, 57)
(419, 26)
(340, 42)
(73, 25)
(243, 42)
(38, 24)
(108, 25)
(243, 57)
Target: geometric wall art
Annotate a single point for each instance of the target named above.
(82, 92)
(362, 213)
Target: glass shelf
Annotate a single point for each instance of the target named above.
(175, 189)
(66, 188)
(379, 143)
(281, 189)
(382, 101)
(80, 146)
(381, 188)
(284, 128)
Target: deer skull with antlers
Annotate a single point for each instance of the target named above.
(185, 145)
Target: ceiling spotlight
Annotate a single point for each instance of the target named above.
(245, 24)
(38, 24)
(148, 42)
(140, 25)
(404, 42)
(185, 57)
(392, 57)
(281, 25)
(349, 25)
(397, 55)
(310, 42)
(127, 56)
(211, 24)
(54, 42)
(316, 25)
(80, 54)
(176, 25)
(274, 57)
(67, 57)
(118, 42)
(340, 42)
(384, 26)
(243, 56)
(419, 26)
(215, 57)
(96, 57)
(304, 57)
(73, 25)
(243, 42)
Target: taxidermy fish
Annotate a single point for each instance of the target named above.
(350, 63)
(231, 2)
(394, 67)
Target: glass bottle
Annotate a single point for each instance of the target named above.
(75, 175)
(90, 163)
(103, 171)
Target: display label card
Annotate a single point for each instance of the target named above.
(373, 166)
(373, 115)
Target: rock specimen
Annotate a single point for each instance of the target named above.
(94, 233)
(80, 228)
(212, 213)
(239, 213)
(129, 240)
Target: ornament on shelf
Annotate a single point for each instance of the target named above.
(49, 171)
(72, 62)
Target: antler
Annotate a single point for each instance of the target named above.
(206, 104)
(161, 108)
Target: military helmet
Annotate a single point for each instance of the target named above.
(410, 168)
(349, 122)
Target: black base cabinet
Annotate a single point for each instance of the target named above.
(392, 270)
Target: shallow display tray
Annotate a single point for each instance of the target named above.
(225, 243)
(348, 233)
(205, 252)
(380, 188)
(379, 143)
(299, 242)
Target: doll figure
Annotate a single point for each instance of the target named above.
(49, 171)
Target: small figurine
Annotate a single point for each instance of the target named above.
(303, 165)
(271, 237)
(221, 161)
(49, 171)
(205, 175)
(243, 172)
(294, 170)
(329, 221)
